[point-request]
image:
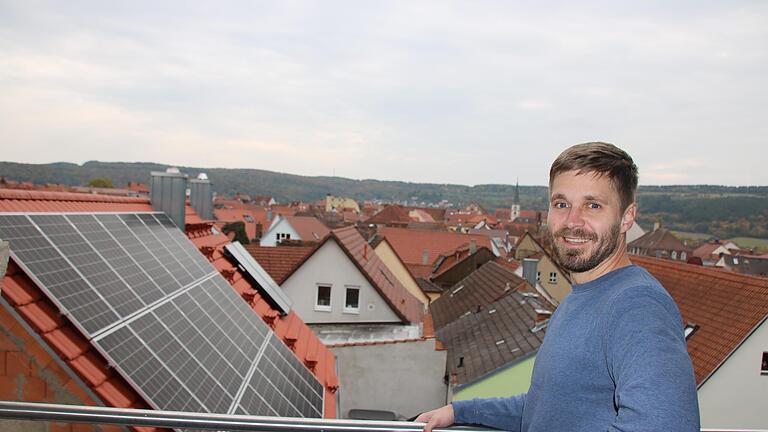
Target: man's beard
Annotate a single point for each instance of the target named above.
(576, 260)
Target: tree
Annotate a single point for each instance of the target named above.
(101, 182)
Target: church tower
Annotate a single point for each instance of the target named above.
(515, 209)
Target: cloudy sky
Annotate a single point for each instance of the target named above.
(470, 92)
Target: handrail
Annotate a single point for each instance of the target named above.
(186, 420)
(33, 411)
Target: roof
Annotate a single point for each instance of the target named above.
(474, 293)
(249, 216)
(407, 307)
(278, 261)
(453, 258)
(661, 238)
(481, 343)
(410, 244)
(76, 350)
(308, 227)
(391, 214)
(427, 286)
(726, 306)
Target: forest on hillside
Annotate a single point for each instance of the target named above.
(720, 211)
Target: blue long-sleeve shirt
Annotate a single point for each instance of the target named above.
(614, 359)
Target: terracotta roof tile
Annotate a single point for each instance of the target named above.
(726, 306)
(309, 228)
(391, 214)
(278, 261)
(410, 244)
(659, 239)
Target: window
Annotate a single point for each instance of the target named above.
(552, 277)
(323, 301)
(352, 300)
(674, 255)
(764, 364)
(538, 276)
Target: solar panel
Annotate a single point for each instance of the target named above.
(161, 314)
(267, 286)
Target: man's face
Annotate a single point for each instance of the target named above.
(584, 221)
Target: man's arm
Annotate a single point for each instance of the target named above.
(498, 413)
(648, 360)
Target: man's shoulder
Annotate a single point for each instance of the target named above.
(638, 288)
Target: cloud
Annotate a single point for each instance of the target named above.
(417, 91)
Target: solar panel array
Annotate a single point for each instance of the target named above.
(161, 313)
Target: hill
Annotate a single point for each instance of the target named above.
(720, 211)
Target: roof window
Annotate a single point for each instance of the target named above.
(457, 290)
(690, 329)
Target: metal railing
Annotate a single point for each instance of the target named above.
(184, 420)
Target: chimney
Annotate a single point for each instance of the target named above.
(529, 270)
(425, 257)
(657, 225)
(168, 194)
(269, 215)
(201, 196)
(472, 246)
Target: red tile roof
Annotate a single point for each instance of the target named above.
(391, 214)
(410, 244)
(279, 261)
(76, 350)
(402, 302)
(309, 228)
(243, 215)
(661, 238)
(726, 306)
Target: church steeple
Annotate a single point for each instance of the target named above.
(514, 212)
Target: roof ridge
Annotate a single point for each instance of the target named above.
(35, 195)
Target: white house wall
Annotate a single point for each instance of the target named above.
(330, 265)
(735, 396)
(279, 226)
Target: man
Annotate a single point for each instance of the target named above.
(614, 357)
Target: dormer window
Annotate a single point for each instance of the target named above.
(690, 329)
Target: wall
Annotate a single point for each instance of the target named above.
(406, 377)
(557, 290)
(280, 226)
(735, 396)
(510, 381)
(330, 265)
(393, 263)
(29, 373)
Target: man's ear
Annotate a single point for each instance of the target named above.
(629, 217)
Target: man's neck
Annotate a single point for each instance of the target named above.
(615, 261)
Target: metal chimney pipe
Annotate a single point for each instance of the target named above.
(201, 196)
(168, 194)
(530, 266)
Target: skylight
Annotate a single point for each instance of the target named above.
(690, 329)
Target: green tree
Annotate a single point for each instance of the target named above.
(101, 182)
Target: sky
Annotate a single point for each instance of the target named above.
(471, 92)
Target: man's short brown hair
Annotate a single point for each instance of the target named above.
(602, 159)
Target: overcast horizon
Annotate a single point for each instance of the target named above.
(425, 92)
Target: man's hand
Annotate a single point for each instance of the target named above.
(438, 418)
